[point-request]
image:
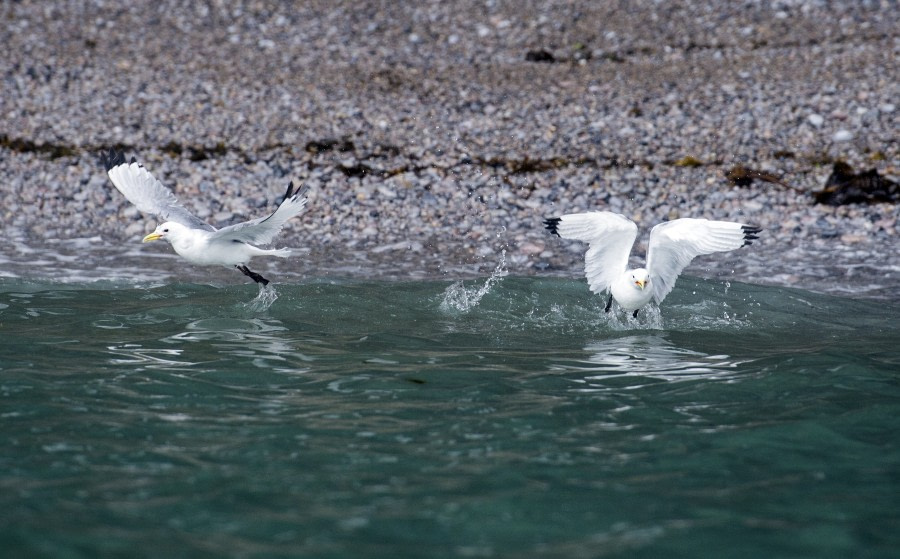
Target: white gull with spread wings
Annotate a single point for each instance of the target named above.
(673, 245)
(192, 238)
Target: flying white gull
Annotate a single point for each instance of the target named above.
(673, 245)
(192, 238)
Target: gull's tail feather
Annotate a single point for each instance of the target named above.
(282, 252)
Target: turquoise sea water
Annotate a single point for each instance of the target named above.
(503, 418)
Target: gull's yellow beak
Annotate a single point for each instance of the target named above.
(640, 283)
(152, 237)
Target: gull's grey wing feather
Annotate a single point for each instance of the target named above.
(674, 244)
(262, 230)
(611, 237)
(148, 194)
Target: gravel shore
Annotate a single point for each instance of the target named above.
(435, 135)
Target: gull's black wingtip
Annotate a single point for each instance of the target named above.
(751, 233)
(289, 193)
(552, 225)
(293, 192)
(112, 159)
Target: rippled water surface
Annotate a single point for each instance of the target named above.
(507, 418)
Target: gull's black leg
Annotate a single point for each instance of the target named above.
(635, 313)
(609, 303)
(252, 275)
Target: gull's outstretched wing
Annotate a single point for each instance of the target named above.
(148, 194)
(610, 235)
(675, 243)
(262, 230)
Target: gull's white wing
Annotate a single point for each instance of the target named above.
(148, 194)
(262, 230)
(610, 235)
(675, 243)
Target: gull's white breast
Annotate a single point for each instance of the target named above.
(629, 296)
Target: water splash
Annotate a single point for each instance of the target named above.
(649, 318)
(267, 295)
(459, 298)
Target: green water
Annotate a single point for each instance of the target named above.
(390, 419)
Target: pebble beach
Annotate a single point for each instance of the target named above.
(436, 136)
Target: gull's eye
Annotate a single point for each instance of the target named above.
(165, 230)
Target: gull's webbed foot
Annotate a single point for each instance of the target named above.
(252, 275)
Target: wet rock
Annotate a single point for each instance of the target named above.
(539, 55)
(842, 136)
(826, 230)
(329, 144)
(850, 239)
(136, 230)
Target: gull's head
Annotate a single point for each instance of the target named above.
(639, 277)
(168, 231)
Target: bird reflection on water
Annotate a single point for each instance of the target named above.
(645, 360)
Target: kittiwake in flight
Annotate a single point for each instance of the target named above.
(192, 238)
(673, 245)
